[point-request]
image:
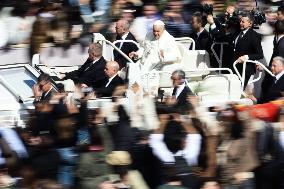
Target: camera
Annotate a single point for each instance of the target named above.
(228, 21)
(207, 9)
(259, 17)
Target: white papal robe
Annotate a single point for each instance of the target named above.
(150, 52)
(144, 72)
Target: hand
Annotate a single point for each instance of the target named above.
(83, 85)
(36, 90)
(135, 87)
(133, 55)
(241, 59)
(259, 68)
(119, 90)
(193, 100)
(252, 98)
(61, 76)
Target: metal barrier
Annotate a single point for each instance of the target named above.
(220, 58)
(242, 77)
(185, 39)
(206, 69)
(100, 37)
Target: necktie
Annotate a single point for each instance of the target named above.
(240, 36)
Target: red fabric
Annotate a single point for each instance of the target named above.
(266, 112)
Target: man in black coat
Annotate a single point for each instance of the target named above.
(278, 49)
(112, 81)
(247, 46)
(181, 90)
(276, 86)
(200, 35)
(43, 90)
(122, 31)
(91, 73)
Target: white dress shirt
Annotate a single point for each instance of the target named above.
(123, 37)
(189, 153)
(279, 75)
(198, 33)
(179, 90)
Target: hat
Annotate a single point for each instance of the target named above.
(119, 158)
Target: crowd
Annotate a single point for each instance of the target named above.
(168, 142)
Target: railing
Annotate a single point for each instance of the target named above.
(216, 69)
(184, 39)
(220, 58)
(99, 37)
(206, 69)
(242, 77)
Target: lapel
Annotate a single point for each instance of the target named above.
(174, 91)
(94, 65)
(239, 40)
(279, 81)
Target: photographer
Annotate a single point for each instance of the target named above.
(224, 28)
(246, 44)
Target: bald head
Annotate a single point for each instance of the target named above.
(122, 27)
(158, 29)
(111, 68)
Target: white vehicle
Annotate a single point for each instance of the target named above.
(209, 84)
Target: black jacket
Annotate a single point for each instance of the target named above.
(107, 91)
(182, 103)
(278, 49)
(203, 41)
(274, 91)
(249, 44)
(89, 73)
(126, 48)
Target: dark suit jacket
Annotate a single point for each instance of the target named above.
(249, 44)
(126, 48)
(182, 103)
(274, 91)
(203, 42)
(107, 91)
(89, 74)
(47, 96)
(278, 49)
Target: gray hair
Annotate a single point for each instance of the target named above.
(96, 47)
(180, 73)
(125, 24)
(279, 58)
